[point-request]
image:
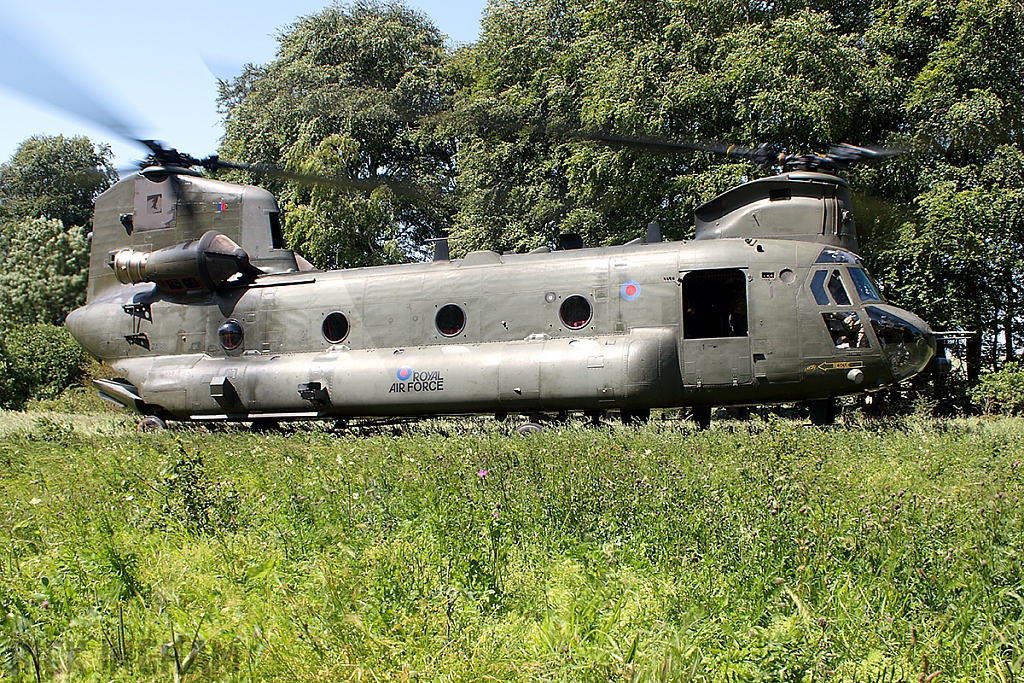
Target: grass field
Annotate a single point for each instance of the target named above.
(454, 550)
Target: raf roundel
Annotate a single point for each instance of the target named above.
(404, 373)
(630, 290)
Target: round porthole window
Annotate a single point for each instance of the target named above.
(450, 320)
(231, 335)
(575, 312)
(335, 327)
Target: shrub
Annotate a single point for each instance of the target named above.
(38, 362)
(1001, 391)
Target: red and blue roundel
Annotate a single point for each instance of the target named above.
(630, 290)
(404, 372)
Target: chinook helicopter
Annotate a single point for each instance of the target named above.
(196, 302)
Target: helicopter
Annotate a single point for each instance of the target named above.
(203, 312)
(196, 302)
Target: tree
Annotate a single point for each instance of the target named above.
(47, 191)
(55, 177)
(43, 271)
(956, 257)
(745, 73)
(348, 96)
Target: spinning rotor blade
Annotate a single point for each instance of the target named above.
(765, 155)
(25, 72)
(213, 163)
(762, 154)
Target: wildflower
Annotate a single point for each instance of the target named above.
(483, 473)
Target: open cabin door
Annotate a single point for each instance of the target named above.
(716, 343)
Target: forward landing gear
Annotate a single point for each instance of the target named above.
(823, 412)
(150, 423)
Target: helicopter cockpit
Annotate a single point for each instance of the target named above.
(906, 342)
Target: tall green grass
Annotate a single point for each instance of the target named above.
(453, 551)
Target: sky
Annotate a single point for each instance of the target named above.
(153, 65)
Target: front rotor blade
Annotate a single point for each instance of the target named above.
(764, 156)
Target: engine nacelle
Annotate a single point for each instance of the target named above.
(205, 264)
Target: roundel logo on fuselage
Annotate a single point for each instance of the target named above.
(404, 373)
(630, 290)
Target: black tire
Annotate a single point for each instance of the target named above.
(702, 416)
(823, 412)
(151, 423)
(264, 425)
(529, 428)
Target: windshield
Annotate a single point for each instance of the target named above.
(866, 289)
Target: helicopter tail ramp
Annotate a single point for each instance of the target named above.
(151, 211)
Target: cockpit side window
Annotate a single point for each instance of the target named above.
(818, 288)
(847, 330)
(837, 289)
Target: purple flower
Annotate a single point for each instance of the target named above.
(483, 473)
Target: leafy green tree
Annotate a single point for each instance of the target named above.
(55, 177)
(956, 257)
(768, 72)
(347, 96)
(1001, 391)
(43, 271)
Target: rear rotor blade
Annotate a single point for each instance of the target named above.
(214, 163)
(25, 72)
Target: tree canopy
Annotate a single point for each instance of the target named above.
(55, 177)
(47, 190)
(369, 91)
(346, 97)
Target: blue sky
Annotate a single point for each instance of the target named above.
(150, 62)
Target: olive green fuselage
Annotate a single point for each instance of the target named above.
(514, 354)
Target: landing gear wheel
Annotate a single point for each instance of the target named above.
(264, 425)
(528, 428)
(702, 416)
(823, 412)
(151, 423)
(635, 417)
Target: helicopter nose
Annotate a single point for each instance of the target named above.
(908, 344)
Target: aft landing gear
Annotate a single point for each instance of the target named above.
(151, 423)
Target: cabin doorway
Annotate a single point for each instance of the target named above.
(716, 340)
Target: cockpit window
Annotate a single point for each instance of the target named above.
(818, 288)
(833, 255)
(847, 330)
(866, 289)
(837, 289)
